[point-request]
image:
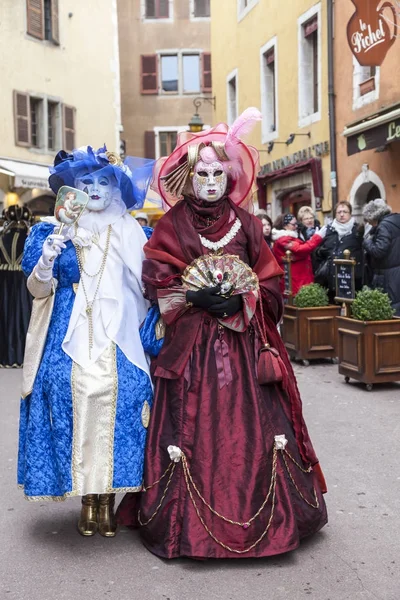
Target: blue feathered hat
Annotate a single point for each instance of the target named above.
(132, 175)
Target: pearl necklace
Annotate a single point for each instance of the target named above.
(223, 241)
(89, 303)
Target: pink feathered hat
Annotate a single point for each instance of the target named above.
(221, 143)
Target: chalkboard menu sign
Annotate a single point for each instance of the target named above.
(345, 284)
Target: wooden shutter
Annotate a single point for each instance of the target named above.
(163, 9)
(55, 28)
(201, 8)
(310, 26)
(270, 56)
(69, 127)
(206, 75)
(149, 144)
(149, 74)
(150, 9)
(22, 122)
(35, 18)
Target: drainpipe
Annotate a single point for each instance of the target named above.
(332, 112)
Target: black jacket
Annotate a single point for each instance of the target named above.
(383, 253)
(332, 248)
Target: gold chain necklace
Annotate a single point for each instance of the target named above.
(89, 304)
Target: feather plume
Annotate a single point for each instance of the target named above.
(244, 123)
(240, 128)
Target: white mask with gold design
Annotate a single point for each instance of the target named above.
(209, 181)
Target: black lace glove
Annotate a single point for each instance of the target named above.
(227, 308)
(205, 298)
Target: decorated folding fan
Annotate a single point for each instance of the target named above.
(226, 270)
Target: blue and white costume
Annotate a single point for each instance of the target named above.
(84, 417)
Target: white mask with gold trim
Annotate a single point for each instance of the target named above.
(209, 181)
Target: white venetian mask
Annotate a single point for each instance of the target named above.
(209, 181)
(99, 188)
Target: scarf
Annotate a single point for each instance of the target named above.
(343, 229)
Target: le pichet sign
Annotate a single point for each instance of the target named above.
(372, 30)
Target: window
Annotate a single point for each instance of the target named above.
(39, 123)
(169, 73)
(201, 9)
(52, 125)
(42, 20)
(191, 73)
(366, 84)
(178, 72)
(309, 67)
(244, 6)
(156, 9)
(232, 94)
(35, 106)
(167, 141)
(269, 91)
(163, 140)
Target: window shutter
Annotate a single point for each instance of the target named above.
(201, 8)
(55, 28)
(163, 9)
(150, 9)
(35, 18)
(149, 74)
(310, 26)
(69, 127)
(22, 119)
(206, 79)
(270, 56)
(149, 144)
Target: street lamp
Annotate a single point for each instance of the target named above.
(196, 123)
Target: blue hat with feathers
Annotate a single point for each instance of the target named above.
(132, 175)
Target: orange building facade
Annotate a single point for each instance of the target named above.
(367, 100)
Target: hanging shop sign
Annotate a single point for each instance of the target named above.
(372, 30)
(376, 137)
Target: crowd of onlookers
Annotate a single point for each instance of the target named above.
(374, 244)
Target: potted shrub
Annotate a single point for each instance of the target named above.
(369, 341)
(309, 325)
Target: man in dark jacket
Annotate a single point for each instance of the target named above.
(344, 233)
(383, 249)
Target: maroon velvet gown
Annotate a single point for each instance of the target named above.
(224, 427)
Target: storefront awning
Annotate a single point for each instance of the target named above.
(375, 131)
(26, 175)
(313, 165)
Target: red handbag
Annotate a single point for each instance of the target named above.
(271, 369)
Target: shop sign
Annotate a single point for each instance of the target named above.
(374, 137)
(372, 30)
(31, 182)
(316, 151)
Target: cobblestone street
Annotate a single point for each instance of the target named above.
(356, 435)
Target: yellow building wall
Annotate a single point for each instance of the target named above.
(236, 45)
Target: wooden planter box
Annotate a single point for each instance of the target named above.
(310, 333)
(369, 351)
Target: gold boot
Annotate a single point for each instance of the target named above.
(87, 524)
(106, 518)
